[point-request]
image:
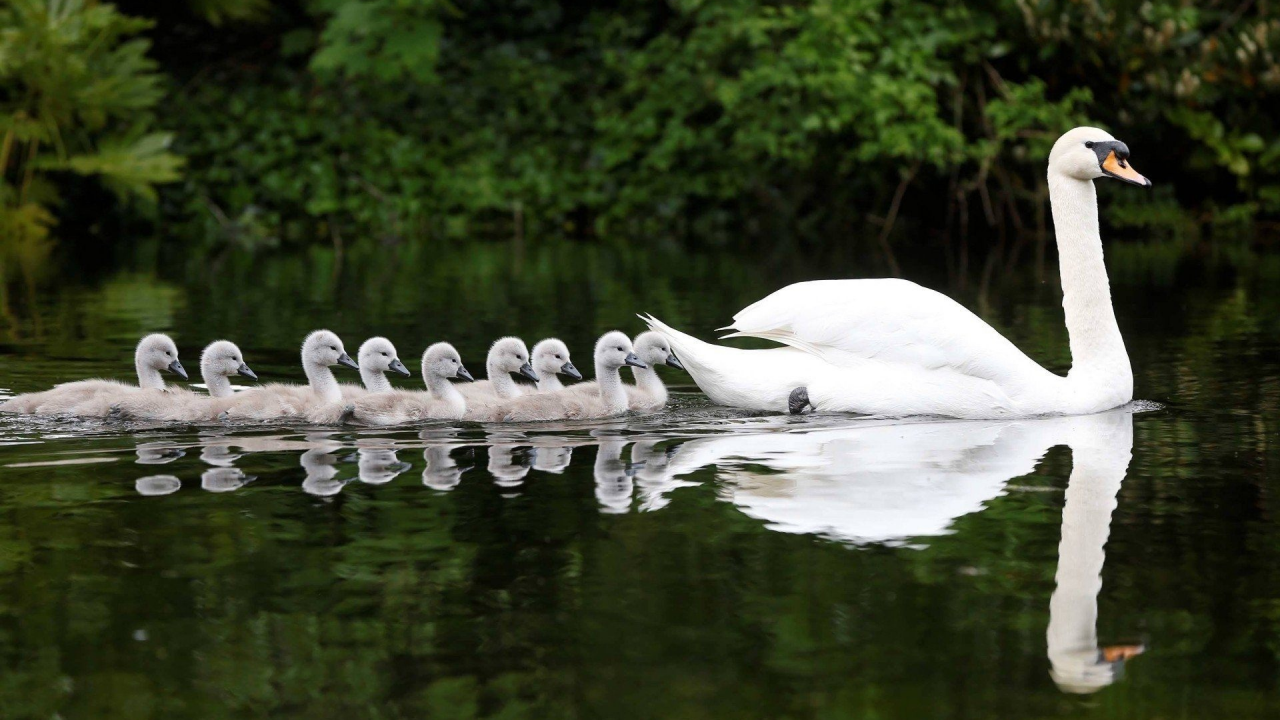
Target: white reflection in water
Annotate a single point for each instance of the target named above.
(224, 479)
(651, 467)
(507, 464)
(157, 485)
(551, 459)
(158, 453)
(614, 484)
(889, 484)
(442, 472)
(321, 466)
(379, 466)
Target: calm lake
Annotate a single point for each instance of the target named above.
(697, 563)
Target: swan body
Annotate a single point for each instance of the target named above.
(154, 354)
(613, 351)
(550, 361)
(891, 347)
(219, 361)
(313, 401)
(441, 401)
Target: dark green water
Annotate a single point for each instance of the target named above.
(700, 563)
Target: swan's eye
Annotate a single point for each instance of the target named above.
(1088, 144)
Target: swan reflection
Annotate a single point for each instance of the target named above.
(379, 466)
(224, 479)
(321, 466)
(894, 484)
(157, 485)
(442, 472)
(614, 483)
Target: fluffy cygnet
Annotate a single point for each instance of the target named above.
(442, 401)
(613, 352)
(276, 401)
(648, 394)
(508, 355)
(93, 398)
(377, 357)
(219, 361)
(550, 361)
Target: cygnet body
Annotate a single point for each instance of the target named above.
(276, 401)
(550, 361)
(377, 357)
(648, 394)
(442, 401)
(219, 361)
(93, 398)
(613, 351)
(506, 356)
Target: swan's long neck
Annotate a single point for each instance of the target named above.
(374, 380)
(612, 392)
(1098, 468)
(504, 386)
(444, 391)
(647, 380)
(1098, 354)
(549, 381)
(148, 377)
(321, 379)
(219, 385)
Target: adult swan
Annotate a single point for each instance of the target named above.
(891, 347)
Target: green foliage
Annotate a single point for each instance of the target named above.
(76, 88)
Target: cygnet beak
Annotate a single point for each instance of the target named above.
(245, 371)
(570, 370)
(175, 367)
(345, 359)
(398, 367)
(634, 361)
(462, 373)
(674, 361)
(527, 371)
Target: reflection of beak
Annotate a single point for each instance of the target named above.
(345, 359)
(1115, 653)
(634, 361)
(1120, 169)
(570, 370)
(397, 366)
(462, 373)
(674, 361)
(245, 371)
(175, 367)
(527, 371)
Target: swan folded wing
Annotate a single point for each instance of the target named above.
(889, 320)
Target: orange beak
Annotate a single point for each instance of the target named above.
(1122, 170)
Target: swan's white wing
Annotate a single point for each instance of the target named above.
(890, 320)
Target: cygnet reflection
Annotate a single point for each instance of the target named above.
(157, 485)
(321, 466)
(224, 479)
(614, 484)
(379, 466)
(158, 453)
(442, 472)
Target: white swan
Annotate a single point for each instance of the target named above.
(377, 357)
(441, 401)
(219, 361)
(613, 352)
(891, 347)
(550, 361)
(276, 401)
(93, 398)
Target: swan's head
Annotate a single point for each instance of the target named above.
(653, 349)
(322, 349)
(509, 355)
(443, 361)
(551, 357)
(222, 358)
(1087, 153)
(379, 355)
(159, 353)
(614, 350)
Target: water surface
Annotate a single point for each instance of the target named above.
(700, 562)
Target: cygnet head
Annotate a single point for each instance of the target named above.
(322, 349)
(443, 361)
(379, 355)
(653, 349)
(551, 357)
(509, 355)
(222, 358)
(613, 351)
(1087, 153)
(158, 352)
